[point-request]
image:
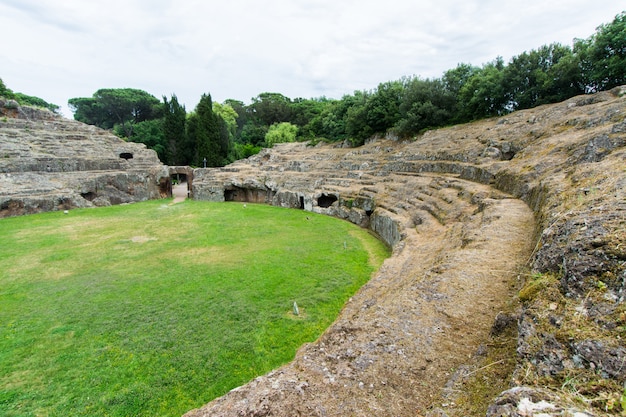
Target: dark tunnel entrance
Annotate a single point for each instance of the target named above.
(230, 195)
(326, 200)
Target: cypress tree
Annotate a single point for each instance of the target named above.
(209, 134)
(174, 131)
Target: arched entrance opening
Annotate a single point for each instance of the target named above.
(181, 178)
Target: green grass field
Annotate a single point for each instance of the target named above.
(153, 309)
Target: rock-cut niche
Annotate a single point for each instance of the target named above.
(326, 200)
(247, 195)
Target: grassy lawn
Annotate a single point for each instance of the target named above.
(153, 309)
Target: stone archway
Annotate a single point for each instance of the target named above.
(180, 175)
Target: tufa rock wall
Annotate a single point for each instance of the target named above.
(51, 163)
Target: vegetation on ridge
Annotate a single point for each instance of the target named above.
(25, 99)
(215, 134)
(406, 107)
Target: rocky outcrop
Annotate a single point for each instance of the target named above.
(51, 163)
(448, 202)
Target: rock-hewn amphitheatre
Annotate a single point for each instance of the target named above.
(470, 212)
(51, 163)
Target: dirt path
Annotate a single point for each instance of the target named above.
(395, 347)
(179, 192)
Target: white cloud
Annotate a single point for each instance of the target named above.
(240, 48)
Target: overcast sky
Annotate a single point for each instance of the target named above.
(237, 49)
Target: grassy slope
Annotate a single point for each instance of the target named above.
(153, 309)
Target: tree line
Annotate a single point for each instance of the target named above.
(218, 133)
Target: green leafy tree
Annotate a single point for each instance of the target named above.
(208, 134)
(356, 118)
(425, 104)
(330, 124)
(110, 106)
(484, 94)
(186, 150)
(383, 106)
(174, 120)
(4, 91)
(243, 116)
(545, 75)
(150, 133)
(567, 79)
(270, 108)
(229, 115)
(202, 127)
(91, 111)
(603, 55)
(35, 101)
(254, 120)
(454, 79)
(281, 133)
(225, 141)
(26, 99)
(253, 133)
(245, 150)
(304, 111)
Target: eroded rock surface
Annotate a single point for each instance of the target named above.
(51, 163)
(470, 212)
(473, 212)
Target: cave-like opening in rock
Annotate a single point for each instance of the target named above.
(230, 195)
(507, 156)
(126, 155)
(89, 196)
(301, 203)
(326, 200)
